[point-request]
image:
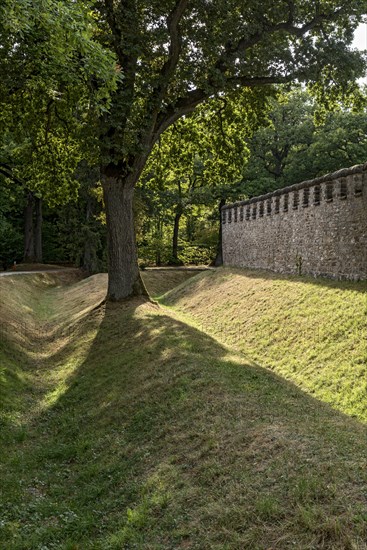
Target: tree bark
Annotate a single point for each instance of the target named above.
(158, 253)
(124, 279)
(176, 228)
(28, 229)
(218, 261)
(38, 230)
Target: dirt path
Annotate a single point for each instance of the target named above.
(9, 273)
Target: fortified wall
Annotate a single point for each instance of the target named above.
(317, 227)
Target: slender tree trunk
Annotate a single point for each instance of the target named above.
(38, 230)
(218, 261)
(158, 258)
(90, 261)
(28, 229)
(176, 228)
(158, 252)
(124, 279)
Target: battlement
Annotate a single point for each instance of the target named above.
(317, 227)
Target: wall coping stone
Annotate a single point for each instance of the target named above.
(343, 173)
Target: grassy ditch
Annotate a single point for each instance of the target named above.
(126, 426)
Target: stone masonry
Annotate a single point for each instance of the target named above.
(317, 227)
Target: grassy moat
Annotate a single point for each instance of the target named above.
(233, 418)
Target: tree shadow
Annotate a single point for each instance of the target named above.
(162, 420)
(342, 284)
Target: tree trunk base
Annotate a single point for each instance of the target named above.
(138, 289)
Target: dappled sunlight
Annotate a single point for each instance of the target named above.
(141, 427)
(312, 332)
(64, 368)
(48, 344)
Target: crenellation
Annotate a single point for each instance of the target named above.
(306, 197)
(316, 227)
(276, 200)
(343, 188)
(358, 182)
(268, 207)
(328, 191)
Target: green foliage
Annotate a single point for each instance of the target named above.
(11, 238)
(75, 233)
(175, 55)
(340, 141)
(194, 164)
(11, 242)
(291, 147)
(48, 58)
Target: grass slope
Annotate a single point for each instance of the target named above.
(313, 332)
(126, 427)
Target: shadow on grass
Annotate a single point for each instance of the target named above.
(357, 286)
(15, 383)
(164, 439)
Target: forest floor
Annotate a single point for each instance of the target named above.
(152, 427)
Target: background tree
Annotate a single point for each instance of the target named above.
(175, 55)
(286, 134)
(48, 60)
(290, 147)
(197, 164)
(11, 234)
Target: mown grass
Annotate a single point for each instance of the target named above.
(133, 429)
(312, 332)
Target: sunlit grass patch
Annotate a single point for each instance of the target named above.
(136, 429)
(311, 331)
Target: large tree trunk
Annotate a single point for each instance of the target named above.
(38, 230)
(124, 279)
(28, 229)
(218, 261)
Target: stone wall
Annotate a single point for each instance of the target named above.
(316, 227)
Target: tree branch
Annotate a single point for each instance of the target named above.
(173, 21)
(168, 68)
(167, 115)
(182, 106)
(6, 171)
(187, 104)
(288, 26)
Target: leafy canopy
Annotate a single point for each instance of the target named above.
(49, 59)
(176, 54)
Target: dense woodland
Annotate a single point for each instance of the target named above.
(217, 155)
(133, 108)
